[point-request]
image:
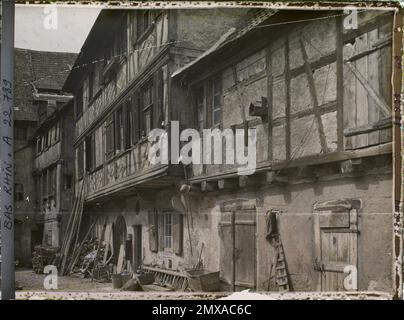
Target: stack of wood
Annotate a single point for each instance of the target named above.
(70, 250)
(41, 257)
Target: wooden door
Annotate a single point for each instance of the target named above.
(137, 247)
(336, 236)
(238, 249)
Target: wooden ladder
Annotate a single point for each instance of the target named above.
(281, 271)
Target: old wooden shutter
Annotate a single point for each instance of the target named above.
(158, 99)
(135, 118)
(178, 233)
(153, 231)
(367, 87)
(128, 123)
(110, 136)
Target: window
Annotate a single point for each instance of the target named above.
(79, 103)
(39, 144)
(18, 192)
(168, 234)
(86, 93)
(200, 107)
(80, 161)
(147, 108)
(120, 130)
(21, 133)
(67, 179)
(46, 140)
(90, 152)
(216, 101)
(109, 133)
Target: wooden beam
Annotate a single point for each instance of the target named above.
(340, 84)
(380, 102)
(288, 98)
(312, 88)
(367, 52)
(268, 59)
(382, 124)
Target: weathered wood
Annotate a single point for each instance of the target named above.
(382, 124)
(380, 103)
(77, 253)
(288, 99)
(340, 83)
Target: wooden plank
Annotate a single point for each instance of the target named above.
(288, 99)
(340, 84)
(385, 31)
(349, 105)
(373, 78)
(362, 107)
(380, 103)
(369, 128)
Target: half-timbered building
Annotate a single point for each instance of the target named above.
(318, 208)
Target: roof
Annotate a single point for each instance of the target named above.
(37, 70)
(252, 19)
(50, 69)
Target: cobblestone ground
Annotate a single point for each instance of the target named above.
(30, 286)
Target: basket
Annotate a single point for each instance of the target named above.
(203, 280)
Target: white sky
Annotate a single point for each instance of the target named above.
(73, 25)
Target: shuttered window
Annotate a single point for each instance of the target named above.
(120, 130)
(80, 161)
(147, 108)
(168, 232)
(109, 135)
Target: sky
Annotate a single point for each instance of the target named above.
(63, 29)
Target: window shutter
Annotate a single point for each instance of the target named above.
(135, 119)
(209, 104)
(178, 233)
(153, 231)
(158, 100)
(161, 231)
(128, 123)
